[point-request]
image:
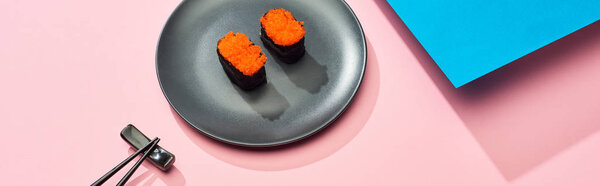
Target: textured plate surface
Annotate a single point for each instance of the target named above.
(297, 100)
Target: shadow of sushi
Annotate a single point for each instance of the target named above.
(265, 100)
(307, 73)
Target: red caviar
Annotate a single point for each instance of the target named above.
(282, 28)
(241, 53)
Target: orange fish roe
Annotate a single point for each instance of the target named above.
(282, 28)
(241, 53)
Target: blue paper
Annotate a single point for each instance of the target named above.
(470, 38)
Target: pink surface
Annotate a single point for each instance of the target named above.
(74, 73)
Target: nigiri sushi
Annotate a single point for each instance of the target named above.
(283, 34)
(242, 60)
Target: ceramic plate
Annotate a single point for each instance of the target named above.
(297, 100)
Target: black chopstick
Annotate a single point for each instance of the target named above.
(124, 162)
(138, 163)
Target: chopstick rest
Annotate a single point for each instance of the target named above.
(160, 157)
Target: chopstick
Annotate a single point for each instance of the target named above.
(138, 163)
(146, 149)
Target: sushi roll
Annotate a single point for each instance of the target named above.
(283, 34)
(243, 62)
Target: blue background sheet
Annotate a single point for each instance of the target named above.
(470, 38)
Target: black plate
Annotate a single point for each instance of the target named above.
(297, 100)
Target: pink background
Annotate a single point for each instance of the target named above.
(74, 73)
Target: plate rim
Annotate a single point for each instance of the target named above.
(280, 142)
